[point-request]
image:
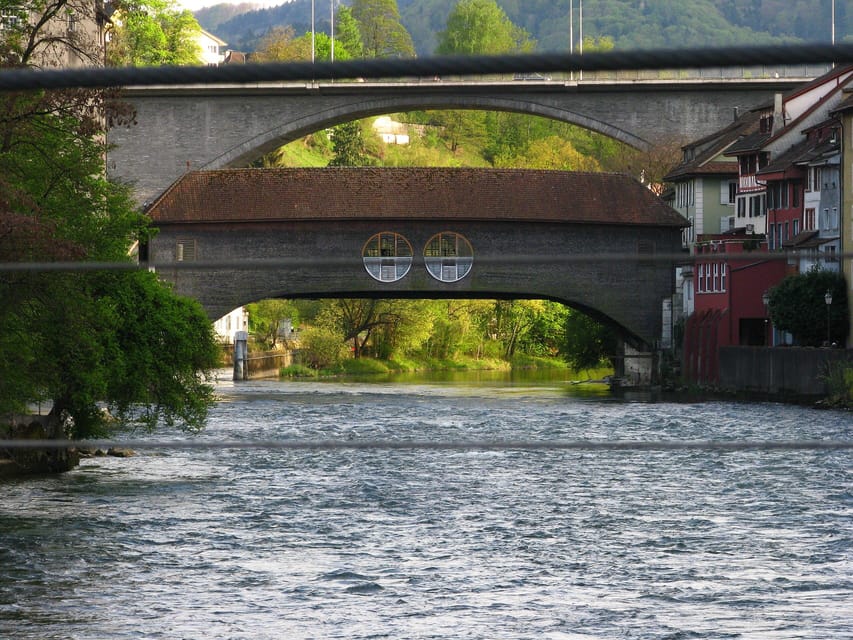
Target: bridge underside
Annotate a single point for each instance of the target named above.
(563, 262)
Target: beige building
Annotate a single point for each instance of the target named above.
(845, 112)
(73, 37)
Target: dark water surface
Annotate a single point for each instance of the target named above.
(272, 543)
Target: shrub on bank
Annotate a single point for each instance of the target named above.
(839, 384)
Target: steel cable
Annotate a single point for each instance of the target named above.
(643, 59)
(422, 445)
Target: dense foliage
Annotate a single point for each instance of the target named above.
(797, 305)
(631, 24)
(80, 339)
(151, 33)
(435, 331)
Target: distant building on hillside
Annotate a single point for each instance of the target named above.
(212, 49)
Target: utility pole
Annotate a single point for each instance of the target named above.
(312, 32)
(332, 43)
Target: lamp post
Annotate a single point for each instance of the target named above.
(827, 298)
(765, 299)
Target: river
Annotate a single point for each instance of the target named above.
(276, 543)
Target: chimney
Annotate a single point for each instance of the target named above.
(778, 118)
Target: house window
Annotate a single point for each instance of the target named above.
(448, 256)
(700, 282)
(830, 253)
(732, 191)
(808, 222)
(771, 236)
(723, 268)
(387, 256)
(185, 250)
(796, 195)
(741, 208)
(796, 224)
(715, 286)
(756, 206)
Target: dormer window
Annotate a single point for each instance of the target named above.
(765, 125)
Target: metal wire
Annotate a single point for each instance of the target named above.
(422, 445)
(285, 262)
(103, 77)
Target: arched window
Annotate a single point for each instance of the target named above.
(387, 256)
(448, 256)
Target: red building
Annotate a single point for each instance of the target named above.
(730, 277)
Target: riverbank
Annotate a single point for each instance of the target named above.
(372, 366)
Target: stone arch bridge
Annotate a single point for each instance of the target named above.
(230, 237)
(208, 127)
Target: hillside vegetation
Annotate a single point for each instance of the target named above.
(632, 24)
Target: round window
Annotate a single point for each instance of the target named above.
(387, 256)
(448, 256)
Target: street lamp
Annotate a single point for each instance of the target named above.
(765, 299)
(827, 298)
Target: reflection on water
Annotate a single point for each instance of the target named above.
(273, 543)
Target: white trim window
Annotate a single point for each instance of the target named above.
(448, 256)
(387, 256)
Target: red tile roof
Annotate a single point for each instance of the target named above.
(239, 195)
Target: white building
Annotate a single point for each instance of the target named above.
(230, 323)
(212, 49)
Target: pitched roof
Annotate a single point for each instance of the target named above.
(418, 193)
(708, 148)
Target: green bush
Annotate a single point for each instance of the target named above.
(361, 366)
(297, 371)
(322, 348)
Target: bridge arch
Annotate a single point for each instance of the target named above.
(531, 234)
(624, 333)
(186, 128)
(293, 129)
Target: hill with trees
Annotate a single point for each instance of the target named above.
(632, 24)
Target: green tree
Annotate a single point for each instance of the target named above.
(79, 339)
(266, 317)
(347, 34)
(797, 306)
(322, 348)
(481, 27)
(588, 343)
(152, 33)
(348, 146)
(382, 33)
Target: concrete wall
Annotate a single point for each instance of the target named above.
(788, 371)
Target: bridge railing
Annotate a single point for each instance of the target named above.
(800, 72)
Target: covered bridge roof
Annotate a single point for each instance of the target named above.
(336, 193)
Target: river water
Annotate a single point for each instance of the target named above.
(269, 543)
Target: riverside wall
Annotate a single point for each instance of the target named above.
(780, 371)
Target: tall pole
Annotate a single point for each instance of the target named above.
(571, 26)
(580, 26)
(833, 21)
(312, 31)
(580, 34)
(332, 43)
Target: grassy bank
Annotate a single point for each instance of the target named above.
(371, 366)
